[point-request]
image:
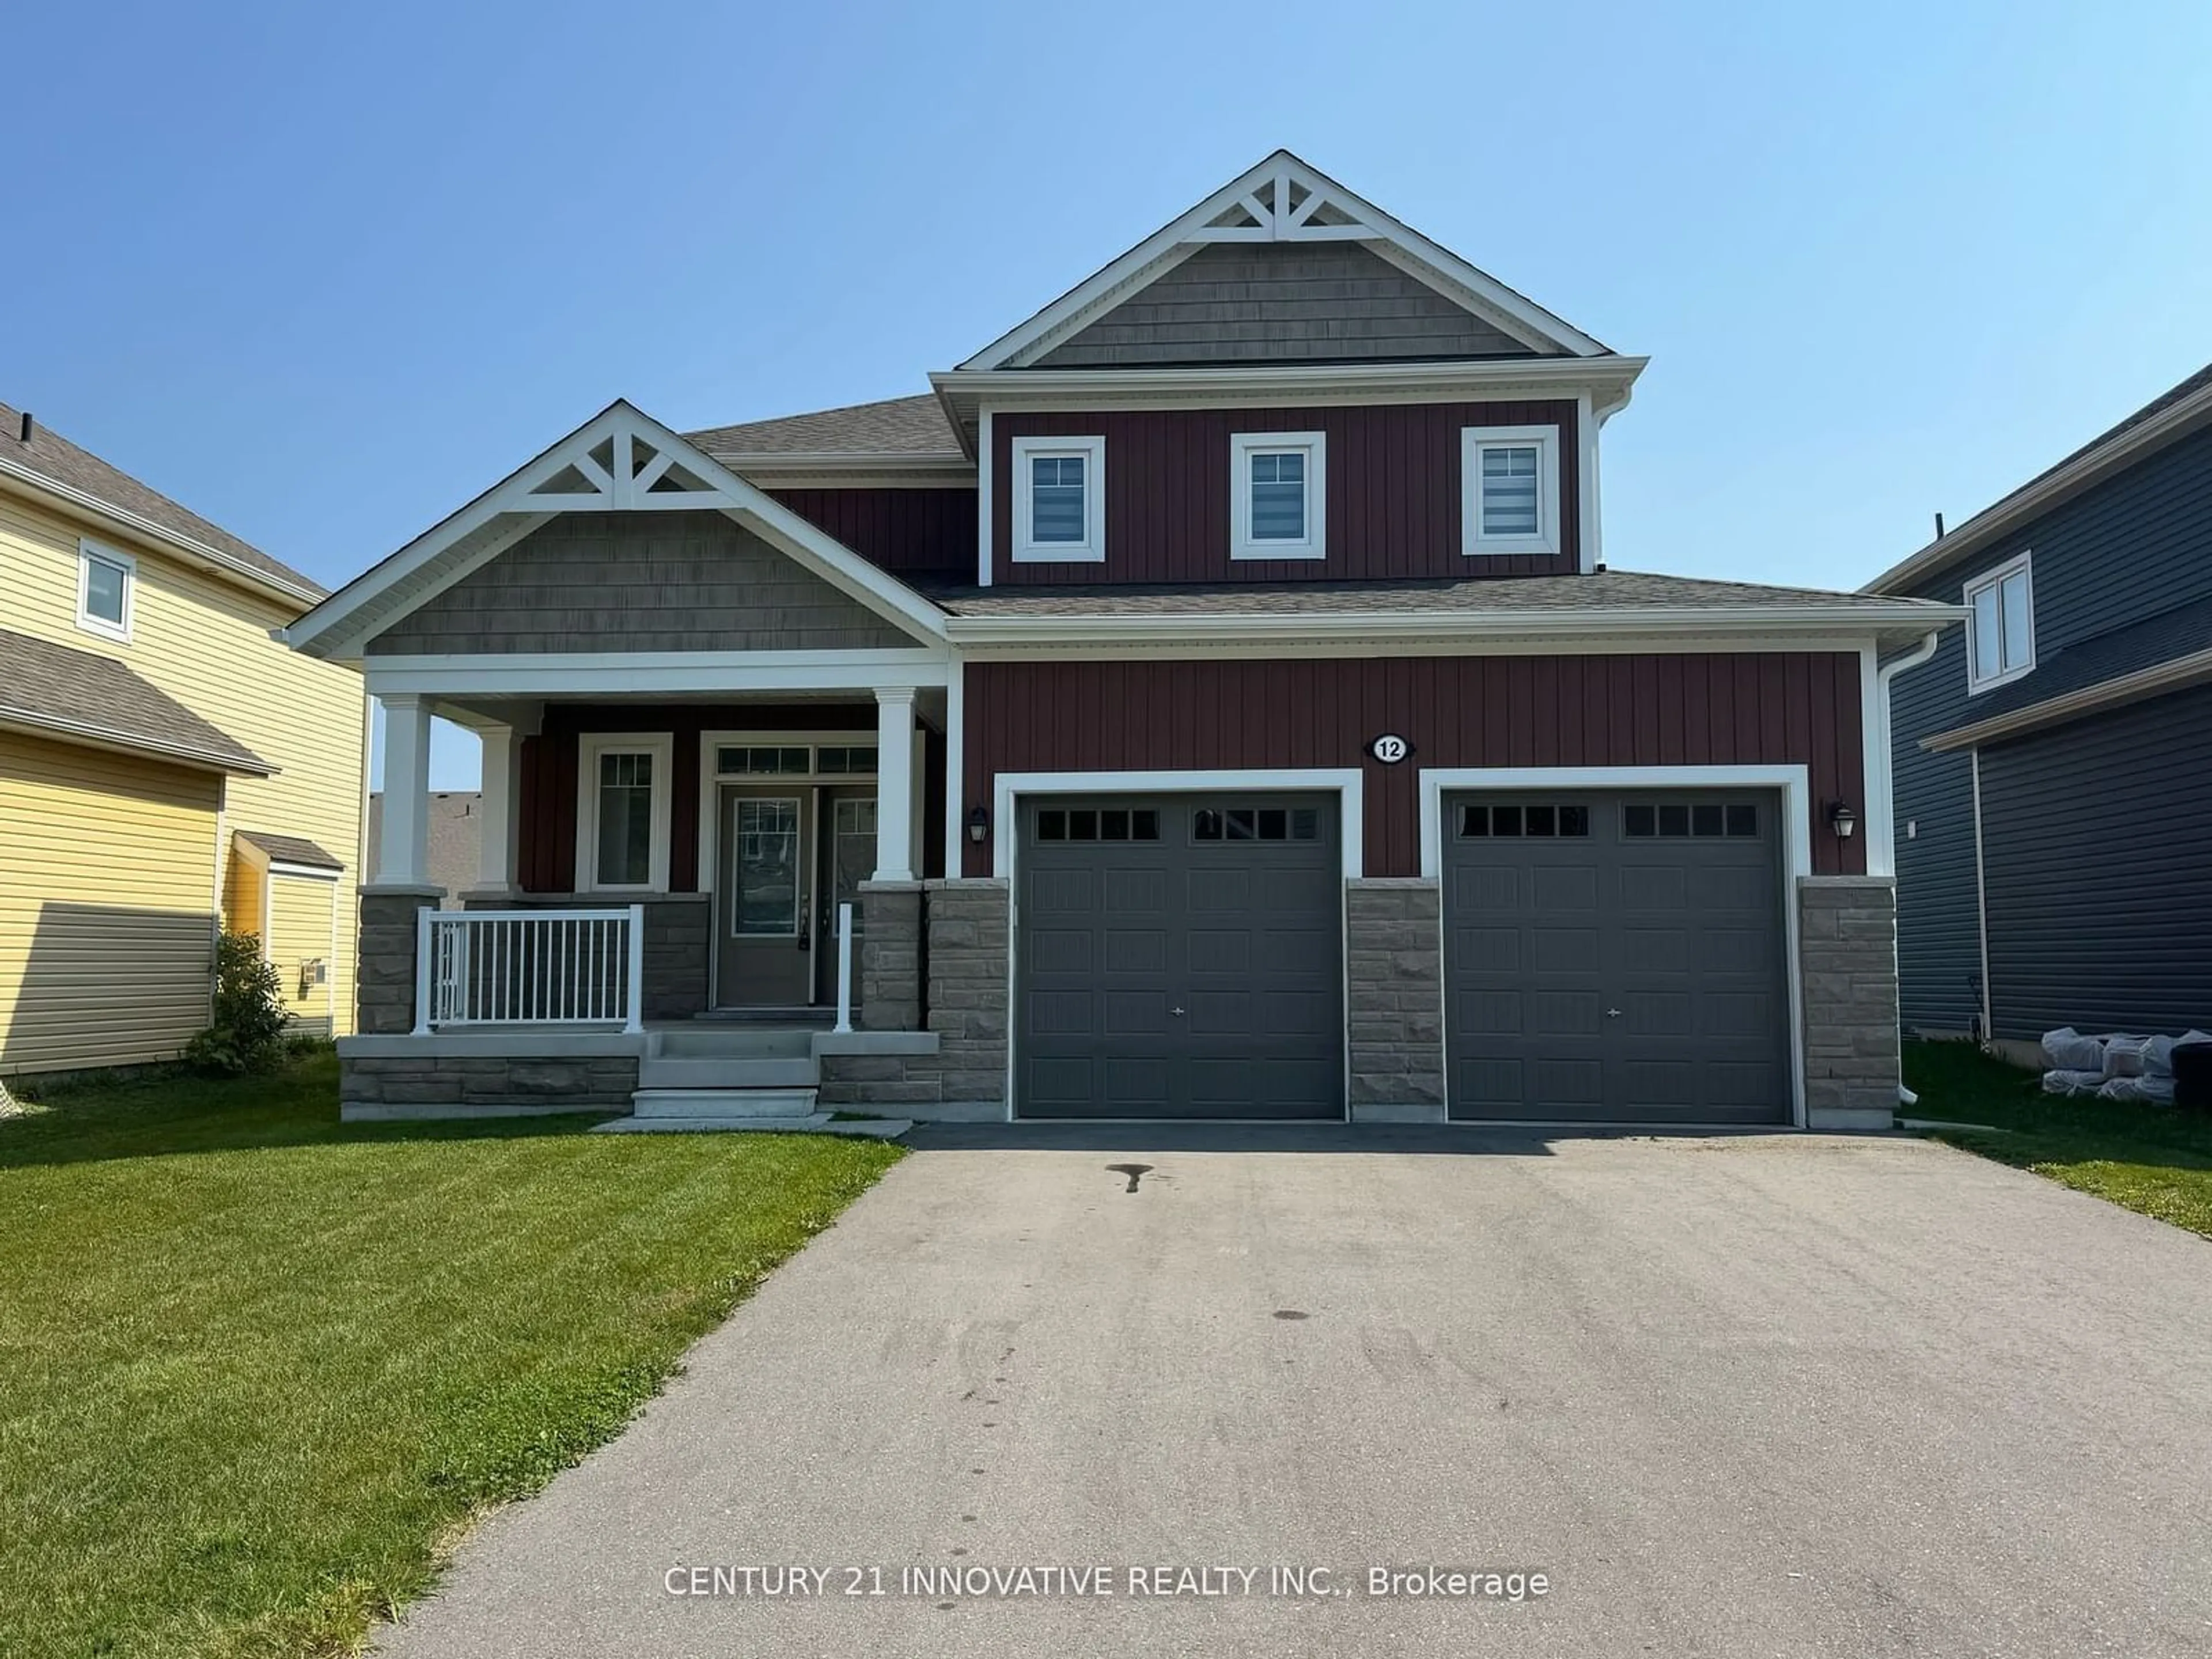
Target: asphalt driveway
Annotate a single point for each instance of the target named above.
(1745, 1395)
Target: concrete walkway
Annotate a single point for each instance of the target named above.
(1771, 1395)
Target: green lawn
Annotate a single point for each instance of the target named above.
(2155, 1159)
(257, 1370)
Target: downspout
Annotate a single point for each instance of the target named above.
(1883, 675)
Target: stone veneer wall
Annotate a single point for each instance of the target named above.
(890, 956)
(1394, 992)
(678, 926)
(1847, 950)
(583, 1083)
(384, 989)
(966, 950)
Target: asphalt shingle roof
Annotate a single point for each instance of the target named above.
(2135, 645)
(291, 849)
(1610, 590)
(896, 426)
(67, 691)
(54, 457)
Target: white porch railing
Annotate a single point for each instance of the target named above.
(530, 967)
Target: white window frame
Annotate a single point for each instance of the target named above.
(590, 747)
(1993, 580)
(86, 551)
(1091, 549)
(1243, 445)
(1473, 440)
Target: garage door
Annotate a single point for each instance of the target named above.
(1616, 959)
(1180, 956)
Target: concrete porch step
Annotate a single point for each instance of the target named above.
(819, 1123)
(710, 1041)
(723, 1103)
(724, 1072)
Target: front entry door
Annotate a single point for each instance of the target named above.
(790, 853)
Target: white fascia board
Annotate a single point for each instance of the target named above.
(2044, 493)
(2179, 674)
(324, 631)
(1855, 621)
(1606, 380)
(1423, 260)
(222, 563)
(619, 673)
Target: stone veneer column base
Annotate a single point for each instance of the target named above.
(1847, 955)
(963, 1077)
(1393, 959)
(384, 987)
(889, 993)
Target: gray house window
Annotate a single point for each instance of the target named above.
(2000, 633)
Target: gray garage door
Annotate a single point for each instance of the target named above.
(1616, 959)
(1179, 957)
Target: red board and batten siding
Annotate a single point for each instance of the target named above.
(1394, 492)
(1657, 710)
(909, 533)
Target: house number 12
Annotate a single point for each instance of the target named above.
(1390, 749)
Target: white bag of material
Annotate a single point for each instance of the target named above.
(2067, 1050)
(2154, 1090)
(2124, 1055)
(2158, 1057)
(2061, 1081)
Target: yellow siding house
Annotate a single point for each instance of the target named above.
(166, 769)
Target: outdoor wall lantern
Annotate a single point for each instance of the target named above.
(978, 824)
(1842, 819)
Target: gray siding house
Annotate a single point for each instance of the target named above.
(2053, 760)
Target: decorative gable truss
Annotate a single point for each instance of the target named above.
(1283, 200)
(622, 460)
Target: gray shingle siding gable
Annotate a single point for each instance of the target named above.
(1281, 302)
(628, 581)
(2119, 557)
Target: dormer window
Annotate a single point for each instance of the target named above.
(1509, 489)
(1059, 500)
(1278, 495)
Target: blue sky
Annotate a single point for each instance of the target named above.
(324, 273)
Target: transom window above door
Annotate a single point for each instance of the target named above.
(2000, 633)
(1060, 506)
(795, 760)
(1510, 490)
(1278, 484)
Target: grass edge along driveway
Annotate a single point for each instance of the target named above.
(260, 1369)
(2154, 1160)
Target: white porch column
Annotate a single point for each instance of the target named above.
(895, 783)
(499, 853)
(404, 854)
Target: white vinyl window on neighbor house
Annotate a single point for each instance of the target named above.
(622, 813)
(1059, 500)
(105, 596)
(2001, 633)
(1278, 494)
(1509, 489)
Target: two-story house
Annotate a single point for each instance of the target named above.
(1212, 698)
(2054, 761)
(168, 769)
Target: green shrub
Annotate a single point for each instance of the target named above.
(248, 1033)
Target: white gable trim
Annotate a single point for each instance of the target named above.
(647, 468)
(1258, 206)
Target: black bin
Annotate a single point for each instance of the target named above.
(2192, 1075)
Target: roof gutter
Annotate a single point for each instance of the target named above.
(1275, 379)
(2177, 675)
(2026, 503)
(122, 742)
(122, 519)
(1855, 619)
